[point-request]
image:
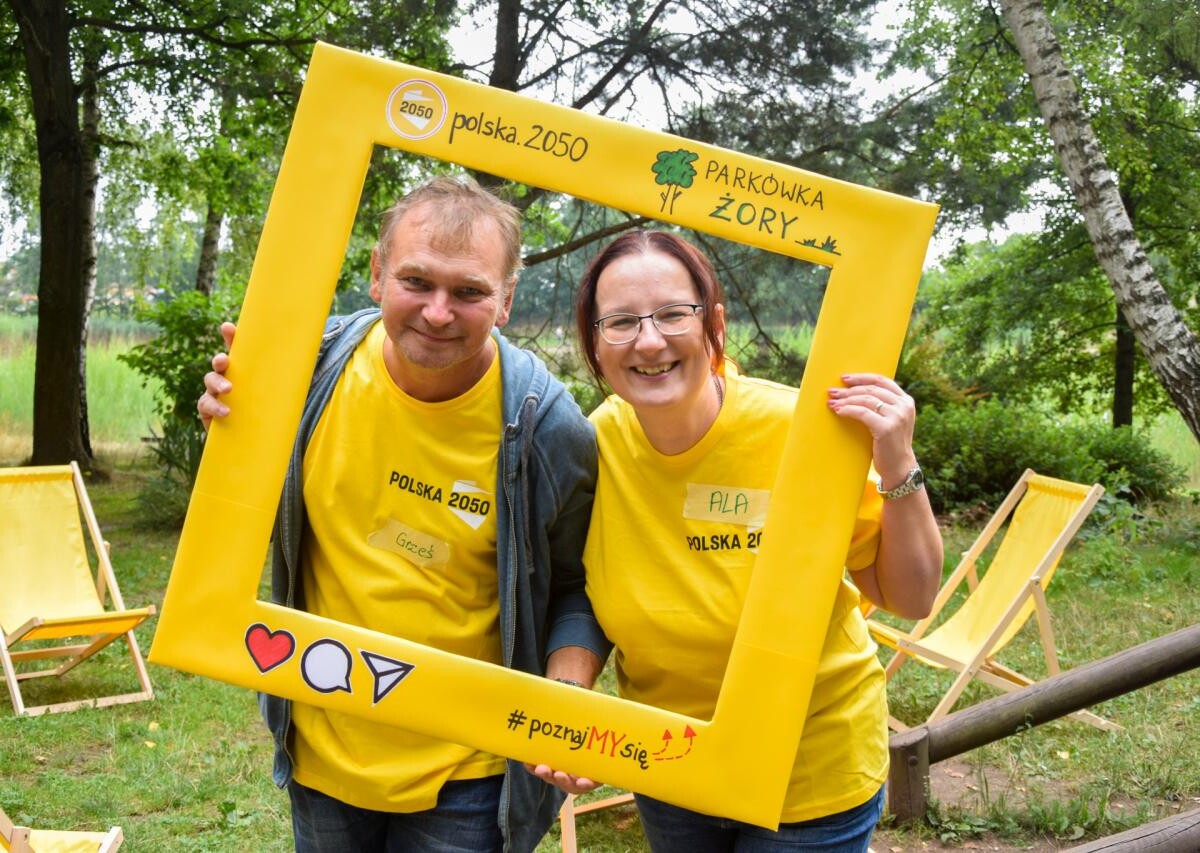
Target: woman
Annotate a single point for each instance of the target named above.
(652, 325)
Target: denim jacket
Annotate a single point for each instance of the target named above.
(546, 473)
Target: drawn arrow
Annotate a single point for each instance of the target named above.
(688, 733)
(666, 742)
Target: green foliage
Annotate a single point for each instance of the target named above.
(1130, 465)
(18, 166)
(769, 357)
(586, 393)
(164, 498)
(19, 274)
(974, 453)
(953, 826)
(1037, 318)
(178, 357)
(176, 361)
(982, 144)
(920, 373)
(1031, 318)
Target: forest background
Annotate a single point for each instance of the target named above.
(139, 144)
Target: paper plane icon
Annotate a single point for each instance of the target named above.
(388, 672)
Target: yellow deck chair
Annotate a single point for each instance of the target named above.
(51, 605)
(1043, 515)
(566, 816)
(22, 839)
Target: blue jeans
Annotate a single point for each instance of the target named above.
(670, 828)
(465, 820)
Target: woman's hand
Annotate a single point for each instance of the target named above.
(908, 562)
(888, 413)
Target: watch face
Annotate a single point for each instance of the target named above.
(914, 481)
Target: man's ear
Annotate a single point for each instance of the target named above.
(510, 289)
(376, 275)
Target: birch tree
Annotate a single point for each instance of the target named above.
(1168, 343)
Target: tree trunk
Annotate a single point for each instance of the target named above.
(207, 270)
(1168, 344)
(62, 296)
(90, 132)
(1124, 362)
(1124, 353)
(210, 241)
(506, 60)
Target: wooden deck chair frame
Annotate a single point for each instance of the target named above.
(22, 839)
(570, 809)
(97, 627)
(979, 662)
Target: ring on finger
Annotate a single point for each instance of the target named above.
(879, 407)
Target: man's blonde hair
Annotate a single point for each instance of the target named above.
(455, 206)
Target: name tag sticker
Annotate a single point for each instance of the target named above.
(706, 502)
(420, 548)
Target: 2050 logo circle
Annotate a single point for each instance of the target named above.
(416, 109)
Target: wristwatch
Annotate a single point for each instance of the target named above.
(914, 482)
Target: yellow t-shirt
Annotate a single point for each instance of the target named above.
(401, 539)
(669, 553)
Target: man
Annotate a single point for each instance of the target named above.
(425, 427)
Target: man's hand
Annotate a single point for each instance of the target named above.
(215, 384)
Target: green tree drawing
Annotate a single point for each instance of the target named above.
(673, 169)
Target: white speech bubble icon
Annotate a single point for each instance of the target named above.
(326, 666)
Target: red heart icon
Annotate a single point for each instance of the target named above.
(269, 648)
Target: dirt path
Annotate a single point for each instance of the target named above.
(962, 787)
(959, 784)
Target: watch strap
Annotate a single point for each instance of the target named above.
(914, 482)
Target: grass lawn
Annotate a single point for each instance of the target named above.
(189, 769)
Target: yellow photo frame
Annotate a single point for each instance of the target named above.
(212, 623)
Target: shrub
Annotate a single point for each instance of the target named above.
(769, 358)
(1127, 462)
(920, 375)
(180, 354)
(974, 453)
(163, 500)
(177, 359)
(587, 393)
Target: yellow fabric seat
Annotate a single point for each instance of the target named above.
(21, 839)
(51, 603)
(1042, 515)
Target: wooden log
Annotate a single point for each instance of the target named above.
(1065, 693)
(913, 751)
(908, 774)
(1177, 834)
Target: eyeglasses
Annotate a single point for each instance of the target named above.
(674, 319)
